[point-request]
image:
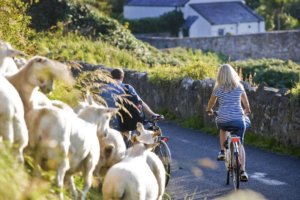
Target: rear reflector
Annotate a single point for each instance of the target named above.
(235, 139)
(165, 139)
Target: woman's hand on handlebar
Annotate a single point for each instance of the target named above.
(210, 112)
(157, 117)
(247, 112)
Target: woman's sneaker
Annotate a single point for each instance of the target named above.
(244, 176)
(221, 156)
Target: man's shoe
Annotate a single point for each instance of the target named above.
(221, 156)
(244, 176)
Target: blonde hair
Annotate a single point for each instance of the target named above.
(227, 78)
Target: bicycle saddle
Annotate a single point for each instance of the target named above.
(230, 128)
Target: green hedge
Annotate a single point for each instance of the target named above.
(168, 22)
(274, 72)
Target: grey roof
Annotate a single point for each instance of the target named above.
(163, 3)
(189, 21)
(226, 12)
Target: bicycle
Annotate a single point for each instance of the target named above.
(232, 161)
(162, 150)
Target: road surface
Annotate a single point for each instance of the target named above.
(195, 173)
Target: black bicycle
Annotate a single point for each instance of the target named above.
(162, 150)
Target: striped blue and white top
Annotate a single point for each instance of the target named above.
(230, 106)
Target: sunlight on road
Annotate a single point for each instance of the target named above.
(243, 195)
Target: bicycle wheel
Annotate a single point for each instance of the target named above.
(164, 154)
(235, 170)
(228, 164)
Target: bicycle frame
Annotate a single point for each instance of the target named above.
(162, 150)
(232, 161)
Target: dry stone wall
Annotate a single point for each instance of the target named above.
(278, 44)
(273, 115)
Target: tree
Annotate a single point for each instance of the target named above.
(277, 14)
(253, 3)
(14, 23)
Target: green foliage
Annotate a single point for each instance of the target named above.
(253, 3)
(79, 18)
(296, 94)
(14, 23)
(193, 122)
(197, 65)
(168, 22)
(279, 14)
(74, 47)
(271, 144)
(65, 93)
(15, 181)
(276, 73)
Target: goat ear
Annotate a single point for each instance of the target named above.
(89, 98)
(108, 150)
(113, 111)
(14, 52)
(134, 139)
(40, 59)
(157, 133)
(151, 146)
(139, 127)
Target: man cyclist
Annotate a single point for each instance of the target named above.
(113, 91)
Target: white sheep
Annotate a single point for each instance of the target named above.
(131, 178)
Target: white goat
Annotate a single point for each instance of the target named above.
(12, 124)
(131, 178)
(7, 64)
(38, 73)
(153, 160)
(112, 144)
(59, 134)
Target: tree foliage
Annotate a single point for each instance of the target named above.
(14, 23)
(278, 14)
(168, 22)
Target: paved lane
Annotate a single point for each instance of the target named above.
(196, 174)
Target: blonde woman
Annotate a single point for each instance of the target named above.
(230, 94)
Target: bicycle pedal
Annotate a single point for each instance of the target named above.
(220, 159)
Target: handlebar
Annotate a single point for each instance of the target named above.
(157, 117)
(212, 113)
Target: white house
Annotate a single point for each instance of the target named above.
(202, 17)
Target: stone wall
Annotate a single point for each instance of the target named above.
(273, 115)
(280, 44)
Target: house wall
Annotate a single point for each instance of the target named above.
(277, 44)
(200, 28)
(244, 28)
(138, 12)
(262, 26)
(235, 29)
(230, 29)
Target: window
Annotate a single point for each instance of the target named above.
(221, 31)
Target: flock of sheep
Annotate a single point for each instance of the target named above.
(67, 141)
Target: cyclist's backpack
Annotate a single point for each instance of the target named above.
(131, 103)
